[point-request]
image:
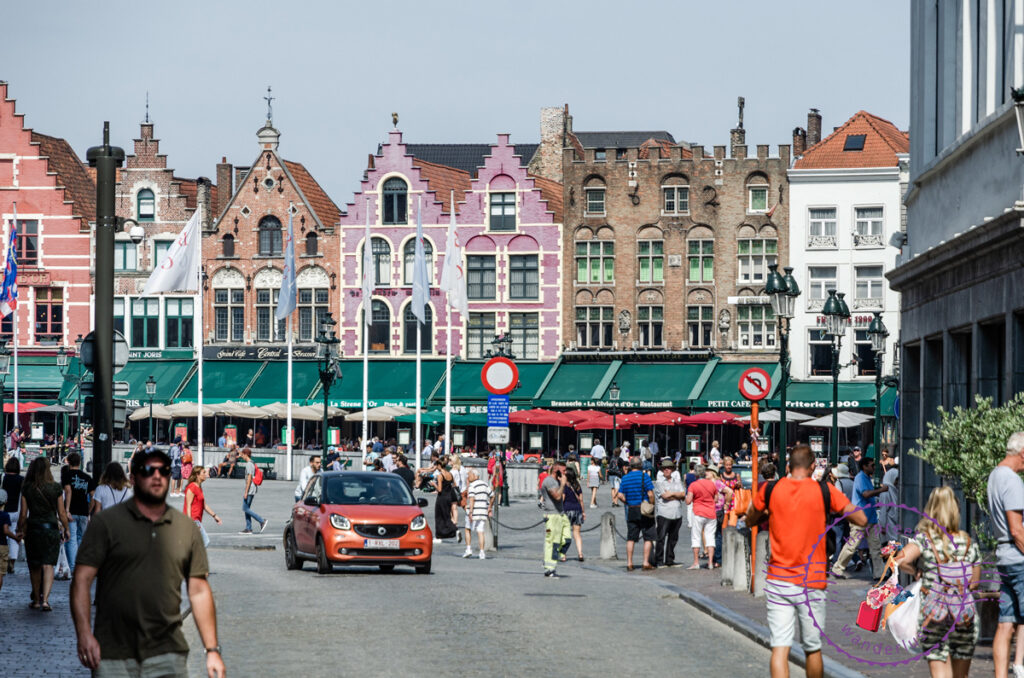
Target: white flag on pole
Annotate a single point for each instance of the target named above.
(453, 277)
(286, 300)
(179, 269)
(368, 271)
(420, 276)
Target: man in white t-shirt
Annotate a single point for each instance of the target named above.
(715, 455)
(306, 474)
(597, 452)
(1006, 508)
(389, 459)
(479, 505)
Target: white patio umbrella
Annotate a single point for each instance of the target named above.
(189, 410)
(775, 415)
(383, 413)
(142, 413)
(242, 411)
(845, 419)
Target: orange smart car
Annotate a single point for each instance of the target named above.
(357, 518)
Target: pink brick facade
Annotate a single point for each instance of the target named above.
(56, 198)
(529, 309)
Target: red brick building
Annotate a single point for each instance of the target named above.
(243, 251)
(56, 205)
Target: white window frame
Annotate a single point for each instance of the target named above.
(825, 283)
(873, 282)
(651, 257)
(764, 260)
(766, 324)
(818, 235)
(646, 323)
(675, 190)
(700, 321)
(587, 203)
(130, 248)
(750, 198)
(815, 337)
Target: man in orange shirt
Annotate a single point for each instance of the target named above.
(795, 587)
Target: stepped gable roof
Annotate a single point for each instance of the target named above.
(621, 139)
(317, 199)
(875, 143)
(550, 192)
(442, 181)
(79, 187)
(465, 157)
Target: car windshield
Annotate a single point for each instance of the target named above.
(381, 489)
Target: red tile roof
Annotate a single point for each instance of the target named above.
(79, 187)
(550, 191)
(317, 199)
(190, 187)
(665, 146)
(882, 141)
(442, 181)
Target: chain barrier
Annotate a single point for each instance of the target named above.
(528, 527)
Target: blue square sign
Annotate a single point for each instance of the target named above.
(497, 410)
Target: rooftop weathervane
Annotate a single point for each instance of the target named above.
(270, 109)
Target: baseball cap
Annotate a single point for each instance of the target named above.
(667, 463)
(143, 458)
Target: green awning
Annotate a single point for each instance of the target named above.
(656, 386)
(720, 388)
(168, 375)
(271, 385)
(889, 396)
(469, 395)
(817, 395)
(223, 380)
(36, 374)
(573, 385)
(392, 382)
(428, 417)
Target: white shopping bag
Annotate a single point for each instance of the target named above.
(63, 570)
(902, 623)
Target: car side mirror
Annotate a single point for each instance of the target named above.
(311, 501)
(421, 502)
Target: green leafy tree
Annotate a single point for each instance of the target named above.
(966, 444)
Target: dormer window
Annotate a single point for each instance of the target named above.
(145, 205)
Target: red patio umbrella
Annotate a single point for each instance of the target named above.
(712, 418)
(539, 417)
(22, 407)
(604, 421)
(665, 418)
(576, 416)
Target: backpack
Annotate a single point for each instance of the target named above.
(257, 476)
(822, 484)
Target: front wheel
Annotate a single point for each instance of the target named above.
(323, 565)
(424, 568)
(291, 552)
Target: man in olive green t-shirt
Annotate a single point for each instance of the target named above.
(139, 552)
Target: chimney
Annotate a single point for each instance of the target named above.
(799, 141)
(224, 185)
(547, 160)
(203, 193)
(813, 127)
(738, 135)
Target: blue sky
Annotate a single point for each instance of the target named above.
(454, 71)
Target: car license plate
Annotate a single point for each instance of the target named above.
(380, 543)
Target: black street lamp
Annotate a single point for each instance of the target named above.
(78, 401)
(5, 369)
(782, 291)
(613, 395)
(151, 391)
(502, 344)
(878, 333)
(330, 369)
(63, 359)
(837, 320)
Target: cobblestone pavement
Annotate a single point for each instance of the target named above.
(469, 617)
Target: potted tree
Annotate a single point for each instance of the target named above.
(963, 448)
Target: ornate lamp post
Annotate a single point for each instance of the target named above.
(837, 320)
(5, 369)
(878, 333)
(330, 369)
(78, 349)
(613, 395)
(783, 292)
(150, 392)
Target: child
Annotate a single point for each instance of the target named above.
(5, 531)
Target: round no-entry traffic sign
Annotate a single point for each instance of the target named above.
(499, 375)
(755, 384)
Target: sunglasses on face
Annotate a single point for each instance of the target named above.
(147, 471)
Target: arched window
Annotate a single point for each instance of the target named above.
(378, 339)
(396, 193)
(145, 205)
(381, 251)
(270, 236)
(409, 327)
(409, 259)
(311, 244)
(227, 245)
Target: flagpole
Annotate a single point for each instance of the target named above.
(366, 358)
(448, 346)
(15, 334)
(199, 333)
(419, 354)
(290, 431)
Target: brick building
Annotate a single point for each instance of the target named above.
(149, 196)
(671, 243)
(243, 251)
(509, 222)
(56, 205)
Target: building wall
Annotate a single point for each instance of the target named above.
(30, 180)
(146, 169)
(844, 190)
(267, 189)
(536, 232)
(718, 211)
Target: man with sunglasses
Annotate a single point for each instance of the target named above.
(139, 552)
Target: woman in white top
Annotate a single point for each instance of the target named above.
(459, 475)
(113, 488)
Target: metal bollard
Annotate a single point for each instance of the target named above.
(608, 537)
(727, 571)
(761, 565)
(489, 545)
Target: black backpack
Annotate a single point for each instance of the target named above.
(824, 498)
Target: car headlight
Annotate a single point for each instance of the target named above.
(340, 522)
(418, 523)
